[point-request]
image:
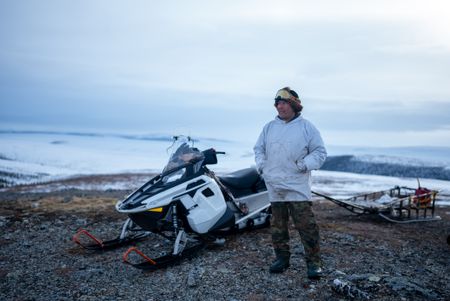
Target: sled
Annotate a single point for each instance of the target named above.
(397, 205)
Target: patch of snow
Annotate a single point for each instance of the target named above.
(384, 199)
(31, 157)
(407, 161)
(343, 185)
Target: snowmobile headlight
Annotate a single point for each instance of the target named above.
(157, 209)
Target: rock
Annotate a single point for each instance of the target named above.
(299, 249)
(349, 290)
(3, 221)
(337, 272)
(194, 276)
(81, 221)
(401, 284)
(359, 277)
(374, 278)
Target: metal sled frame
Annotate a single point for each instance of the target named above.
(406, 206)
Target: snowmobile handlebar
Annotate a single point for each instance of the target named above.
(210, 156)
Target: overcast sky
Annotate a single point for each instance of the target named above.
(368, 72)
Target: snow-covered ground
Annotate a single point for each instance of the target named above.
(343, 185)
(29, 157)
(54, 155)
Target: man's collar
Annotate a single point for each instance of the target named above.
(293, 118)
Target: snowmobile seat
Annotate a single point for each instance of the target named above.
(241, 179)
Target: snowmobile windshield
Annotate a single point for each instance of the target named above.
(184, 155)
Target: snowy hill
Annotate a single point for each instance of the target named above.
(27, 156)
(388, 166)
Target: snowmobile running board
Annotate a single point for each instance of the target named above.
(99, 244)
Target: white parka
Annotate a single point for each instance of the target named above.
(285, 154)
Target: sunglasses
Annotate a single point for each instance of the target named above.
(280, 100)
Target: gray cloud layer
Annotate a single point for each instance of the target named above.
(135, 65)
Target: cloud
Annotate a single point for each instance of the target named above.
(366, 65)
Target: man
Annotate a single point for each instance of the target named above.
(287, 149)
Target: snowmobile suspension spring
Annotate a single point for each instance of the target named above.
(175, 218)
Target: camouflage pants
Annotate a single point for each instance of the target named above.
(304, 223)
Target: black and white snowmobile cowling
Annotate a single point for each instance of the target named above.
(188, 205)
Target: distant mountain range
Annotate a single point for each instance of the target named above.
(147, 137)
(386, 166)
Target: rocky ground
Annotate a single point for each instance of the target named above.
(372, 258)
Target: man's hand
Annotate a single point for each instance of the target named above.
(301, 165)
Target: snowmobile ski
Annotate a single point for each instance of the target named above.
(100, 245)
(152, 264)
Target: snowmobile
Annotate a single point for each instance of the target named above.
(189, 205)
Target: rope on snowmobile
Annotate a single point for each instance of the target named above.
(107, 244)
(226, 191)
